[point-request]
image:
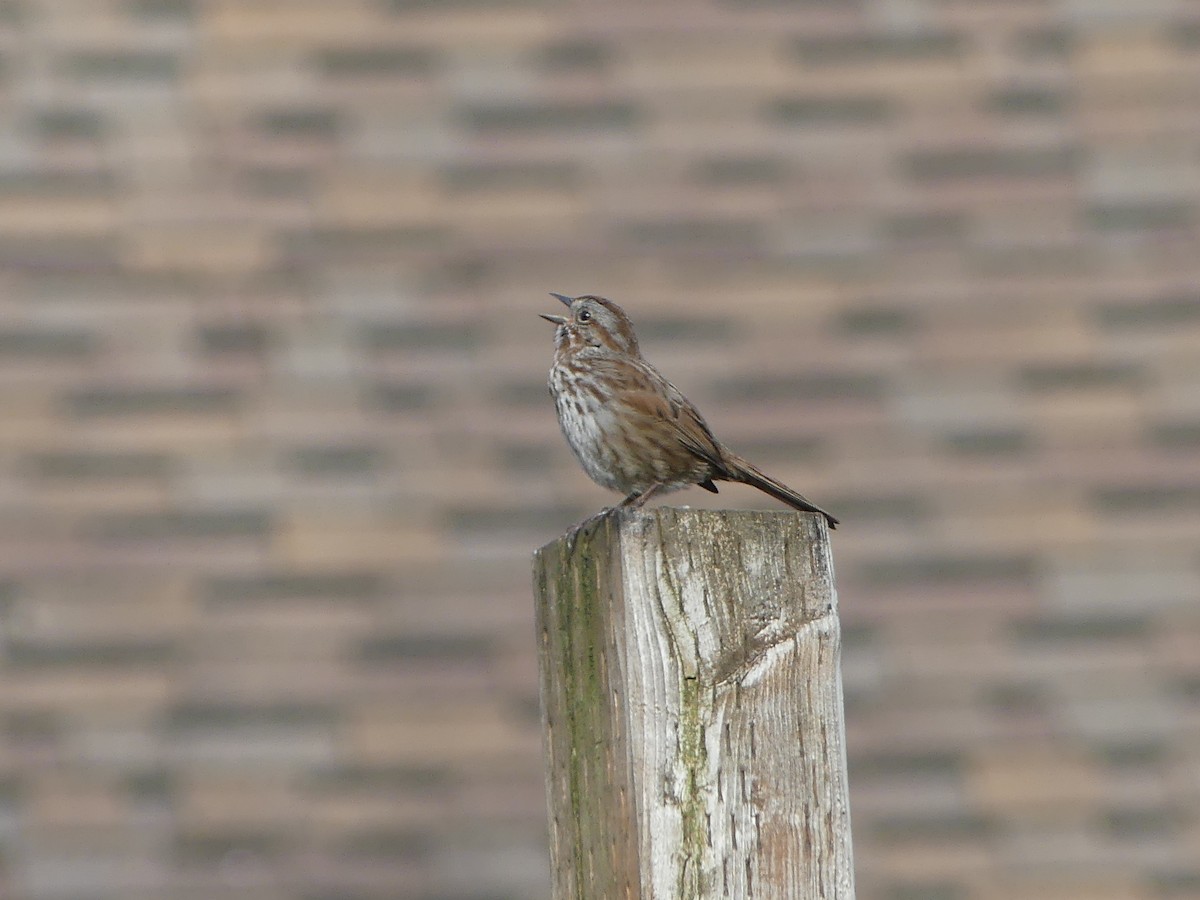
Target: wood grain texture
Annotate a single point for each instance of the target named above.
(692, 703)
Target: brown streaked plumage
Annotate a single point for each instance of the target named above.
(630, 428)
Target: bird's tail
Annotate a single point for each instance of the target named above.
(737, 469)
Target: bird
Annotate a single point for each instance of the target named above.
(631, 429)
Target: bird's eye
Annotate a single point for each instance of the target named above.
(584, 316)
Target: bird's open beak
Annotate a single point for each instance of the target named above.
(558, 320)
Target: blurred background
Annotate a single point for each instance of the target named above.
(276, 445)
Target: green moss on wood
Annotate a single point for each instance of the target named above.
(695, 712)
(582, 617)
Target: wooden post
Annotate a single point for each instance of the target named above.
(692, 705)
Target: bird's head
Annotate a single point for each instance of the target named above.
(593, 322)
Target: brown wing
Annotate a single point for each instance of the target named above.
(694, 432)
(645, 390)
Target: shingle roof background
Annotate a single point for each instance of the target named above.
(276, 444)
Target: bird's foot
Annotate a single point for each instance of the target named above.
(575, 530)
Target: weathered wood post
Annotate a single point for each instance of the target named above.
(692, 705)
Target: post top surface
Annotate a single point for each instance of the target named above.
(715, 520)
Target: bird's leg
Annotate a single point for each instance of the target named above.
(636, 501)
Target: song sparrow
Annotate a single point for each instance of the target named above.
(630, 428)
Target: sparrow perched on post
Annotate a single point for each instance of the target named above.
(630, 428)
